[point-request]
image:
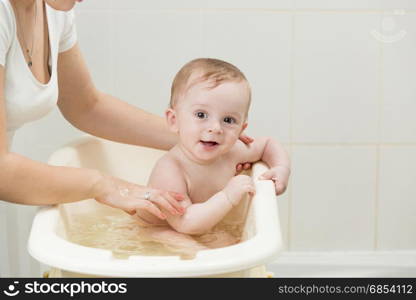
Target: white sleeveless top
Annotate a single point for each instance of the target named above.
(26, 99)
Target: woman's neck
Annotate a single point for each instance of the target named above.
(24, 4)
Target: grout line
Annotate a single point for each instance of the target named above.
(291, 113)
(112, 32)
(265, 10)
(111, 51)
(291, 79)
(377, 198)
(354, 144)
(365, 11)
(202, 32)
(378, 148)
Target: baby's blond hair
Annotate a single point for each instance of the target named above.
(214, 70)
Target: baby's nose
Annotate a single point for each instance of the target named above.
(215, 127)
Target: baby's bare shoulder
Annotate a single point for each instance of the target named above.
(167, 160)
(167, 172)
(167, 165)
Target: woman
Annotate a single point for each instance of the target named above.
(41, 63)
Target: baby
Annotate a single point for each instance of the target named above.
(208, 110)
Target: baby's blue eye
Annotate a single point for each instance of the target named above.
(229, 120)
(201, 115)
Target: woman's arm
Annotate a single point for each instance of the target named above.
(104, 115)
(29, 182)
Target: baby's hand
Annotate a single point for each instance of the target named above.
(238, 187)
(280, 177)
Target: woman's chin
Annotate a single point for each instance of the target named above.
(62, 5)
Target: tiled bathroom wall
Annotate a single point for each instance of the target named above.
(332, 80)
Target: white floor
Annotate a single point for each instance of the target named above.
(345, 264)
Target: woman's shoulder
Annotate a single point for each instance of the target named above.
(6, 25)
(4, 4)
(6, 13)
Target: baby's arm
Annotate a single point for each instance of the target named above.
(263, 148)
(198, 217)
(201, 217)
(272, 153)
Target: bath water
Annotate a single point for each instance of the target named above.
(119, 232)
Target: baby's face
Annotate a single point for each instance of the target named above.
(209, 121)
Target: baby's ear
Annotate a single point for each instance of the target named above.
(171, 119)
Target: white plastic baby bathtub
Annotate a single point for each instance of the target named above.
(49, 244)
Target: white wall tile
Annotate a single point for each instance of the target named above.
(398, 40)
(253, 4)
(333, 196)
(259, 44)
(94, 5)
(211, 4)
(354, 4)
(397, 204)
(94, 41)
(150, 49)
(336, 78)
(157, 4)
(398, 4)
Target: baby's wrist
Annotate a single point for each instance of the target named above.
(232, 197)
(229, 198)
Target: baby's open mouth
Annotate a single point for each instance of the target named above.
(209, 143)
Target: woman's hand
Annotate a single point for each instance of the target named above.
(131, 197)
(244, 166)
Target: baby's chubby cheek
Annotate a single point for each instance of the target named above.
(189, 137)
(230, 141)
